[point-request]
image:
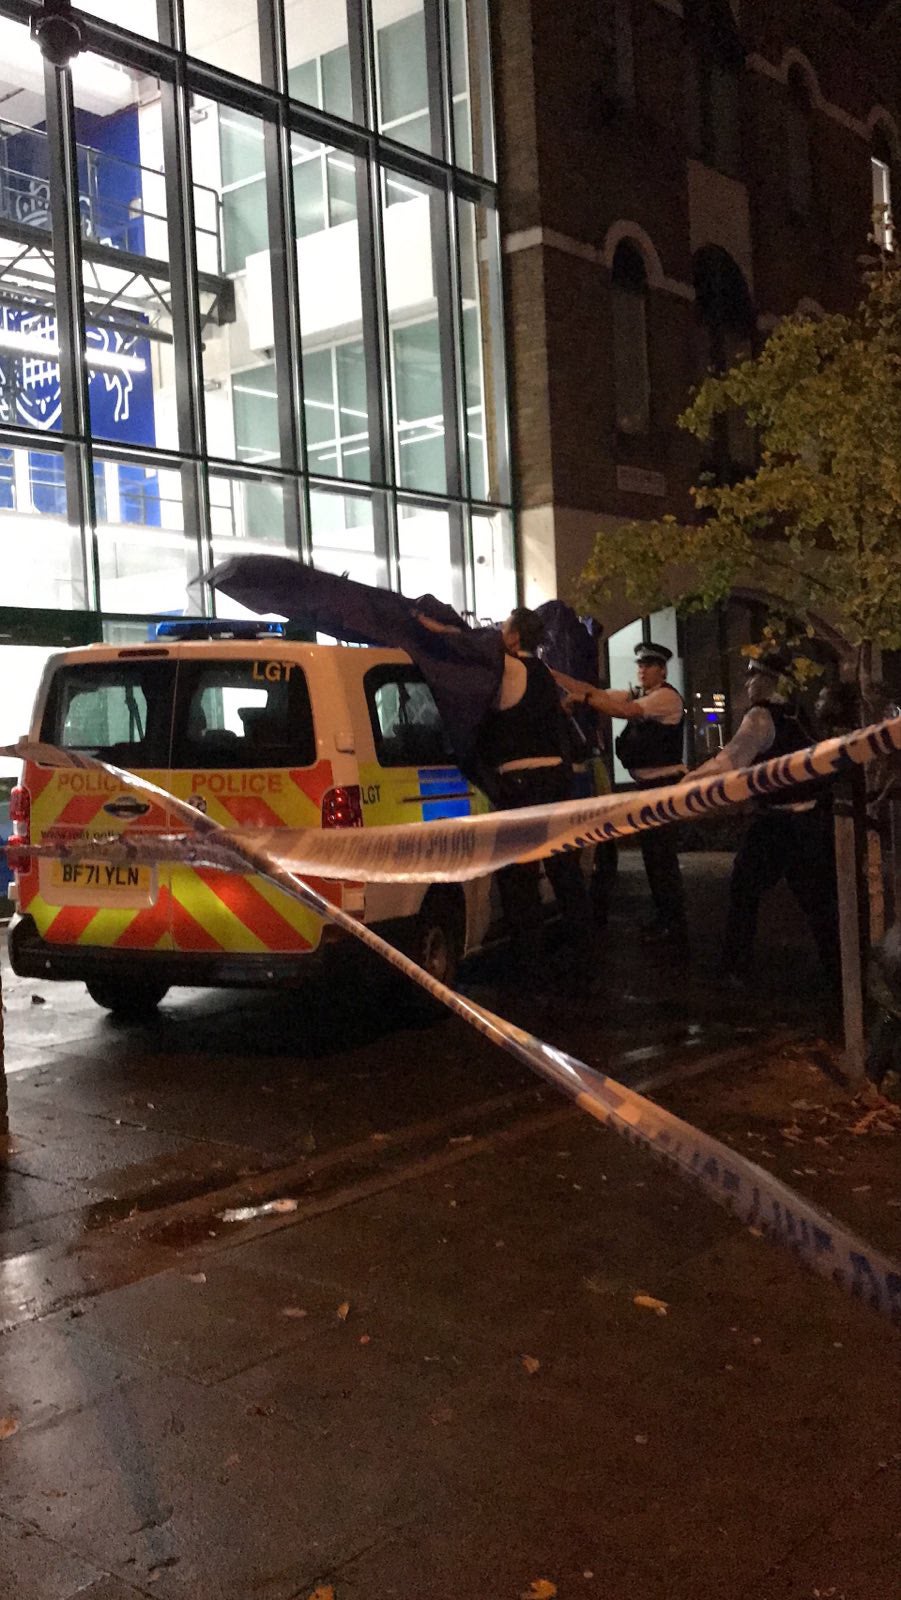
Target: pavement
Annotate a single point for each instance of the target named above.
(422, 1372)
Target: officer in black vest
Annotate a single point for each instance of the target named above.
(650, 747)
(524, 748)
(790, 835)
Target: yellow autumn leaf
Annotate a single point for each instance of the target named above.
(542, 1589)
(323, 1592)
(344, 1311)
(649, 1303)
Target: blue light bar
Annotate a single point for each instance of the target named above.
(211, 628)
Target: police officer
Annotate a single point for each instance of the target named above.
(524, 745)
(650, 748)
(790, 834)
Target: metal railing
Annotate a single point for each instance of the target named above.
(105, 216)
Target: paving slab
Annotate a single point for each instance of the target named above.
(55, 1366)
(170, 1484)
(208, 1324)
(35, 1568)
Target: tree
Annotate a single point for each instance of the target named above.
(817, 526)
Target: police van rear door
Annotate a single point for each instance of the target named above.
(116, 706)
(244, 753)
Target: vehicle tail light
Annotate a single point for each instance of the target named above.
(20, 817)
(343, 808)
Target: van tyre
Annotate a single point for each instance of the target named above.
(130, 1001)
(438, 940)
(436, 944)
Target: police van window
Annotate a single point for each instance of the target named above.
(118, 711)
(406, 724)
(246, 713)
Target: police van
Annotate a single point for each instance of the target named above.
(255, 730)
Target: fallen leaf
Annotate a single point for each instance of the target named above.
(197, 1277)
(649, 1303)
(641, 1438)
(344, 1311)
(532, 1364)
(324, 1591)
(542, 1589)
(293, 1311)
(8, 1426)
(364, 1338)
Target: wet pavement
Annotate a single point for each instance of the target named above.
(430, 1377)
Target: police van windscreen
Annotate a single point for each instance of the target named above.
(252, 712)
(118, 711)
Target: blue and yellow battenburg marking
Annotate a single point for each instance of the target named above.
(445, 793)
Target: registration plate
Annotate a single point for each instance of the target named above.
(97, 883)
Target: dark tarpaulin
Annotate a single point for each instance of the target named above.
(463, 669)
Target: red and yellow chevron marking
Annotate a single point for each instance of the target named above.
(193, 910)
(70, 802)
(246, 914)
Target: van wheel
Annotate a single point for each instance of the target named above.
(438, 941)
(131, 1001)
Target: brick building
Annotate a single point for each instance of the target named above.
(673, 178)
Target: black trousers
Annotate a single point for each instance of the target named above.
(797, 846)
(519, 885)
(660, 854)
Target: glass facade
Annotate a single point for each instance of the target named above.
(249, 300)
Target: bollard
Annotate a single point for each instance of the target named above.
(848, 812)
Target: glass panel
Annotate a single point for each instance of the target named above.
(255, 399)
(494, 565)
(240, 396)
(226, 716)
(139, 16)
(482, 351)
(131, 361)
(113, 709)
(331, 312)
(402, 73)
(406, 725)
(43, 564)
(883, 230)
(247, 515)
(425, 554)
(415, 344)
(470, 86)
(344, 536)
(318, 58)
(226, 35)
(29, 369)
(630, 360)
(145, 560)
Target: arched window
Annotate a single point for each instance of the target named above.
(727, 319)
(631, 379)
(799, 172)
(881, 170)
(716, 59)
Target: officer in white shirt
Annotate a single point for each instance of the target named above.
(790, 835)
(650, 747)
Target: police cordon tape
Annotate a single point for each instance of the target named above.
(457, 849)
(754, 1196)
